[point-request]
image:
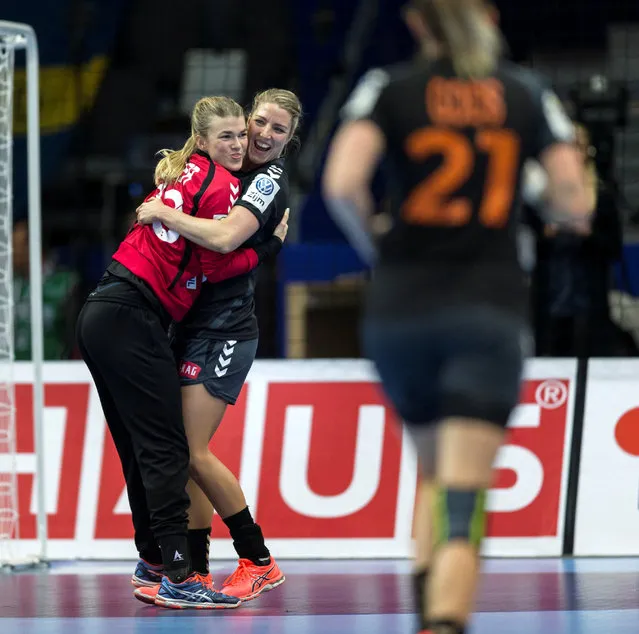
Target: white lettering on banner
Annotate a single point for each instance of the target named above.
(525, 416)
(54, 427)
(92, 454)
(279, 455)
(295, 459)
(122, 507)
(530, 478)
(527, 466)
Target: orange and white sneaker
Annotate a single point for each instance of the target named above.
(249, 581)
(147, 594)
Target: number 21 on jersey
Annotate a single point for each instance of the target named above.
(430, 203)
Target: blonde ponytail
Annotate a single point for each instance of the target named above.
(470, 39)
(169, 168)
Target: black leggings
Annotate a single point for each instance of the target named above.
(127, 352)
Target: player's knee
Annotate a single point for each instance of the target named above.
(198, 462)
(459, 514)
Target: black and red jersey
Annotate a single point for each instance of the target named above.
(169, 264)
(227, 309)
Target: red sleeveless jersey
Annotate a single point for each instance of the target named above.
(165, 260)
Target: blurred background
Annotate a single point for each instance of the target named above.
(118, 80)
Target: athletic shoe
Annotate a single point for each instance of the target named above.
(194, 592)
(249, 581)
(147, 594)
(147, 575)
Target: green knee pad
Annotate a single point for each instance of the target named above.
(459, 514)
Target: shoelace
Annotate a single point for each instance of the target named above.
(241, 574)
(205, 580)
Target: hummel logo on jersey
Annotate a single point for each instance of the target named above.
(275, 172)
(178, 556)
(224, 360)
(235, 194)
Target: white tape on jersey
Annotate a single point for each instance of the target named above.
(364, 98)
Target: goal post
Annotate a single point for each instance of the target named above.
(14, 37)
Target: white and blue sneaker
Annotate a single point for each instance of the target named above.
(147, 575)
(195, 592)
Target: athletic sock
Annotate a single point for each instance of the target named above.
(420, 579)
(176, 557)
(199, 544)
(248, 540)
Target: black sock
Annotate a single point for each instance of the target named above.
(199, 541)
(176, 557)
(152, 555)
(445, 627)
(247, 538)
(420, 579)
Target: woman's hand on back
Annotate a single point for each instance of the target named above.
(282, 229)
(150, 211)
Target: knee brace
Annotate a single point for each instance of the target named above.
(459, 514)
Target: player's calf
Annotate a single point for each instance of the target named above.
(458, 530)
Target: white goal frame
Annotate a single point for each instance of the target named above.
(22, 37)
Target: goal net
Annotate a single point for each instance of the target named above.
(15, 37)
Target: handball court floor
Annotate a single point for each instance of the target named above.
(551, 596)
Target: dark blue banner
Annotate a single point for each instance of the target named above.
(75, 40)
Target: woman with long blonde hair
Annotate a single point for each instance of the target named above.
(219, 339)
(154, 278)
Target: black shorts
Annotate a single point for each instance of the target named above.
(221, 366)
(463, 362)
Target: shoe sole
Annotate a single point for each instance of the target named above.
(267, 588)
(144, 598)
(176, 604)
(138, 583)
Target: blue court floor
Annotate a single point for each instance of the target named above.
(585, 596)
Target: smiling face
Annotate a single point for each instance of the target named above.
(225, 141)
(269, 130)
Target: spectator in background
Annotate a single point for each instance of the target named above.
(60, 301)
(573, 275)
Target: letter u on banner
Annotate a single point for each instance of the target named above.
(366, 471)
